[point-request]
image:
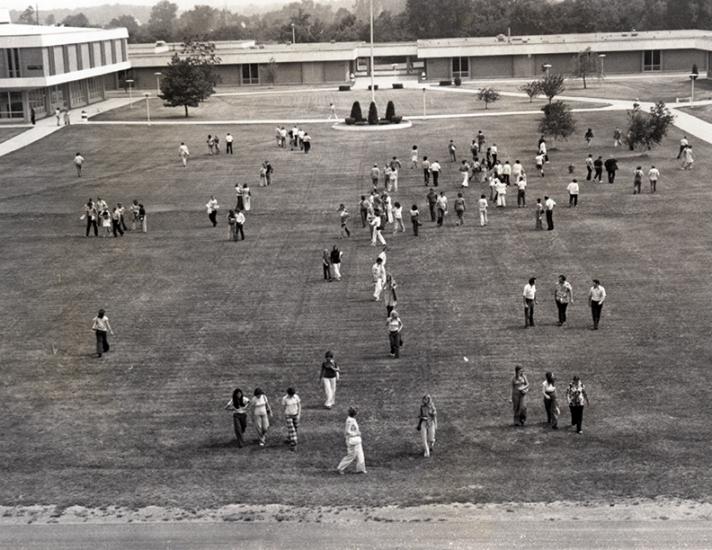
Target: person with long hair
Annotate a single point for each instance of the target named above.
(354, 445)
(292, 413)
(551, 404)
(520, 388)
(100, 326)
(577, 398)
(328, 377)
(389, 294)
(261, 411)
(395, 326)
(238, 405)
(427, 423)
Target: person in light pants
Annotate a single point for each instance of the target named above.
(482, 204)
(378, 271)
(329, 375)
(376, 234)
(261, 411)
(354, 446)
(427, 423)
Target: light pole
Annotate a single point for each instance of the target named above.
(130, 83)
(294, 35)
(424, 103)
(693, 77)
(158, 82)
(547, 68)
(373, 88)
(602, 57)
(148, 109)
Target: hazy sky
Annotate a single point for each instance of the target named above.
(184, 4)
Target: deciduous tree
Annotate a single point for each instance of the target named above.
(488, 95)
(645, 130)
(558, 122)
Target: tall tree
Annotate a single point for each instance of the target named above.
(558, 122)
(552, 85)
(162, 23)
(50, 20)
(128, 22)
(586, 64)
(648, 129)
(77, 20)
(28, 17)
(190, 77)
(200, 21)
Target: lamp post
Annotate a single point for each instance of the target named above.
(158, 82)
(424, 103)
(148, 109)
(693, 77)
(129, 82)
(547, 68)
(602, 57)
(373, 88)
(294, 35)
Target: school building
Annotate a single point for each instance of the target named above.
(45, 67)
(248, 64)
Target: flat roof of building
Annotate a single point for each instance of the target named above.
(13, 35)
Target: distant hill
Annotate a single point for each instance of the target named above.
(97, 15)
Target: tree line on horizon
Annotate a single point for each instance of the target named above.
(311, 21)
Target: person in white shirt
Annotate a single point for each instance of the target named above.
(183, 153)
(414, 157)
(292, 413)
(395, 326)
(589, 167)
(653, 175)
(501, 189)
(549, 205)
(539, 159)
(543, 150)
(493, 152)
(332, 111)
(687, 158)
(596, 296)
(78, 162)
(398, 217)
(482, 206)
(441, 206)
(239, 224)
(573, 189)
(521, 192)
(683, 145)
(212, 208)
(376, 234)
(517, 170)
(435, 171)
(378, 274)
(300, 138)
(426, 170)
(383, 255)
(375, 175)
(529, 298)
(465, 171)
(100, 326)
(507, 172)
(563, 296)
(354, 446)
(228, 143)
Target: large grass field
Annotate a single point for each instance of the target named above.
(196, 315)
(307, 104)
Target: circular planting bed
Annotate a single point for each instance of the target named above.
(372, 127)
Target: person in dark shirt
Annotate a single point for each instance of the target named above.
(328, 377)
(611, 165)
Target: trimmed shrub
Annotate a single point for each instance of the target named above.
(372, 113)
(396, 119)
(345, 88)
(445, 83)
(390, 111)
(458, 81)
(349, 121)
(397, 86)
(375, 87)
(356, 111)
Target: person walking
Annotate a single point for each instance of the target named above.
(343, 221)
(520, 388)
(395, 326)
(465, 171)
(211, 144)
(228, 143)
(451, 151)
(261, 411)
(376, 230)
(328, 377)
(589, 167)
(415, 219)
(427, 423)
(500, 189)
(398, 218)
(134, 208)
(375, 175)
(332, 112)
(539, 160)
(482, 207)
(58, 115)
(551, 404)
(269, 171)
(335, 258)
(425, 165)
(687, 158)
(354, 445)
(637, 180)
(522, 192)
(231, 224)
(549, 205)
(435, 171)
(292, 406)
(378, 274)
(573, 189)
(653, 175)
(611, 166)
(529, 299)
(78, 163)
(460, 207)
(683, 145)
(598, 169)
(142, 218)
(91, 216)
(240, 224)
(183, 154)
(432, 198)
(306, 141)
(588, 136)
(539, 213)
(238, 405)
(563, 296)
(441, 206)
(389, 293)
(212, 208)
(116, 228)
(577, 398)
(101, 326)
(596, 297)
(414, 157)
(617, 135)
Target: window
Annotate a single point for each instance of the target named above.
(13, 62)
(80, 60)
(113, 52)
(103, 53)
(92, 57)
(11, 105)
(50, 57)
(124, 57)
(461, 67)
(95, 89)
(76, 93)
(652, 60)
(38, 101)
(250, 74)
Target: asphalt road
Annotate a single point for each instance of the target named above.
(579, 534)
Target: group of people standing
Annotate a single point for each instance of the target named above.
(563, 296)
(112, 221)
